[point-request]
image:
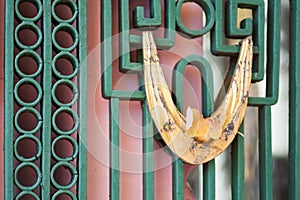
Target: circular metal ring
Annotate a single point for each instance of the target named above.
(73, 172)
(35, 56)
(38, 174)
(38, 147)
(60, 192)
(69, 29)
(70, 57)
(70, 4)
(74, 116)
(69, 84)
(23, 193)
(72, 141)
(207, 7)
(33, 111)
(34, 28)
(38, 5)
(32, 82)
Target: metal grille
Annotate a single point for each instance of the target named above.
(219, 23)
(46, 106)
(42, 128)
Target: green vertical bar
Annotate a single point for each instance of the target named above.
(178, 180)
(273, 50)
(237, 170)
(148, 159)
(294, 99)
(114, 149)
(8, 99)
(148, 144)
(47, 84)
(209, 180)
(106, 47)
(177, 165)
(265, 153)
(82, 164)
(207, 108)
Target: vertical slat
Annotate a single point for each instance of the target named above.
(2, 97)
(148, 159)
(294, 99)
(177, 180)
(265, 153)
(209, 183)
(273, 50)
(8, 99)
(82, 164)
(106, 47)
(237, 170)
(47, 84)
(114, 150)
(209, 180)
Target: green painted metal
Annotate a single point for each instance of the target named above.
(114, 149)
(207, 107)
(47, 133)
(177, 179)
(237, 169)
(8, 99)
(265, 153)
(169, 29)
(294, 98)
(273, 56)
(209, 10)
(47, 72)
(218, 44)
(155, 11)
(222, 25)
(148, 157)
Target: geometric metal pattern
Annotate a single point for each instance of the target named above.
(221, 22)
(45, 132)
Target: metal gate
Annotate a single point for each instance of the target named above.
(57, 103)
(39, 121)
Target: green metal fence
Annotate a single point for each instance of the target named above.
(45, 109)
(215, 12)
(34, 136)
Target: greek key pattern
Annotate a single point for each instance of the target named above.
(221, 22)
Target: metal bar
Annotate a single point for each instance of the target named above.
(273, 50)
(177, 180)
(114, 176)
(82, 164)
(294, 99)
(265, 153)
(237, 169)
(209, 180)
(46, 107)
(148, 158)
(8, 99)
(106, 47)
